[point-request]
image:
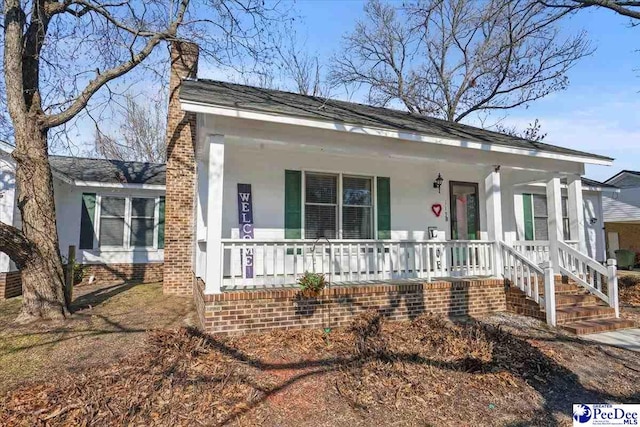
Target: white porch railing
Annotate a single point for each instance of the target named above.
(538, 250)
(282, 262)
(599, 280)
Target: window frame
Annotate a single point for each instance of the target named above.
(340, 204)
(127, 223)
(564, 199)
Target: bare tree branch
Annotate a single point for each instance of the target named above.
(456, 58)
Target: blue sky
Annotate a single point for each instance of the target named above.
(599, 112)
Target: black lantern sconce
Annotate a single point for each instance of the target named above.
(438, 182)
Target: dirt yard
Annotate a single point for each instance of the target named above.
(108, 323)
(629, 292)
(499, 370)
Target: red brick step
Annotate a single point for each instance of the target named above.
(571, 314)
(593, 326)
(564, 300)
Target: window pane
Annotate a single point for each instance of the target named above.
(320, 221)
(143, 207)
(141, 232)
(356, 191)
(111, 231)
(112, 206)
(321, 188)
(566, 232)
(542, 229)
(539, 205)
(356, 223)
(565, 209)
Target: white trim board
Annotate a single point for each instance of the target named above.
(197, 107)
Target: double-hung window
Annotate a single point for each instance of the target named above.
(536, 209)
(338, 203)
(122, 222)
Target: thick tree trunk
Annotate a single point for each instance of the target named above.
(42, 273)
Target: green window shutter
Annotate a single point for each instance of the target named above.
(161, 223)
(292, 204)
(528, 216)
(87, 218)
(384, 207)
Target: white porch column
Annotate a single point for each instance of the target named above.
(215, 175)
(493, 199)
(554, 221)
(576, 212)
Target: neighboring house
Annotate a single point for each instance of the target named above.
(402, 213)
(111, 211)
(622, 212)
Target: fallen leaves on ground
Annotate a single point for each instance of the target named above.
(426, 371)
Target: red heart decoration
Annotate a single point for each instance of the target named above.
(436, 208)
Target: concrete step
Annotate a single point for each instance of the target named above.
(572, 314)
(583, 327)
(581, 300)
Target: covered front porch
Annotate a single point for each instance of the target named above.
(277, 201)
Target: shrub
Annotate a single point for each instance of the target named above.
(312, 283)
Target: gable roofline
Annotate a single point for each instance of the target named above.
(253, 103)
(593, 185)
(637, 173)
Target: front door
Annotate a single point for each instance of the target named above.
(465, 213)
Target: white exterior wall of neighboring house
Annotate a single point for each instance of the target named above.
(623, 206)
(68, 213)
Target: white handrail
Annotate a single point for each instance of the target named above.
(585, 271)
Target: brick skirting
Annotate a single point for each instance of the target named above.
(257, 311)
(10, 285)
(518, 303)
(107, 274)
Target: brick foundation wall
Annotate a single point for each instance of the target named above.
(10, 285)
(111, 274)
(628, 234)
(259, 311)
(181, 176)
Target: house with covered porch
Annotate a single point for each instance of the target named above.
(402, 213)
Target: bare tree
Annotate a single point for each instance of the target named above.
(533, 132)
(59, 57)
(141, 134)
(293, 67)
(455, 58)
(630, 9)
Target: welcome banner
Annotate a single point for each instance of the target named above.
(245, 222)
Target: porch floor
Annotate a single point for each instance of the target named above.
(357, 283)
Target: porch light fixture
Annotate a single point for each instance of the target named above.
(438, 182)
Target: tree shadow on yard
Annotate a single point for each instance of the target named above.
(558, 386)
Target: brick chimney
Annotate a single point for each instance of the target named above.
(181, 176)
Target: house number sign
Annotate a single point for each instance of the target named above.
(245, 222)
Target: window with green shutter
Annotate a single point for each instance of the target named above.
(528, 216)
(292, 204)
(384, 207)
(87, 218)
(161, 223)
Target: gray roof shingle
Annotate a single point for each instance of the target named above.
(292, 104)
(594, 183)
(108, 171)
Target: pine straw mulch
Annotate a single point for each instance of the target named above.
(629, 293)
(429, 371)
